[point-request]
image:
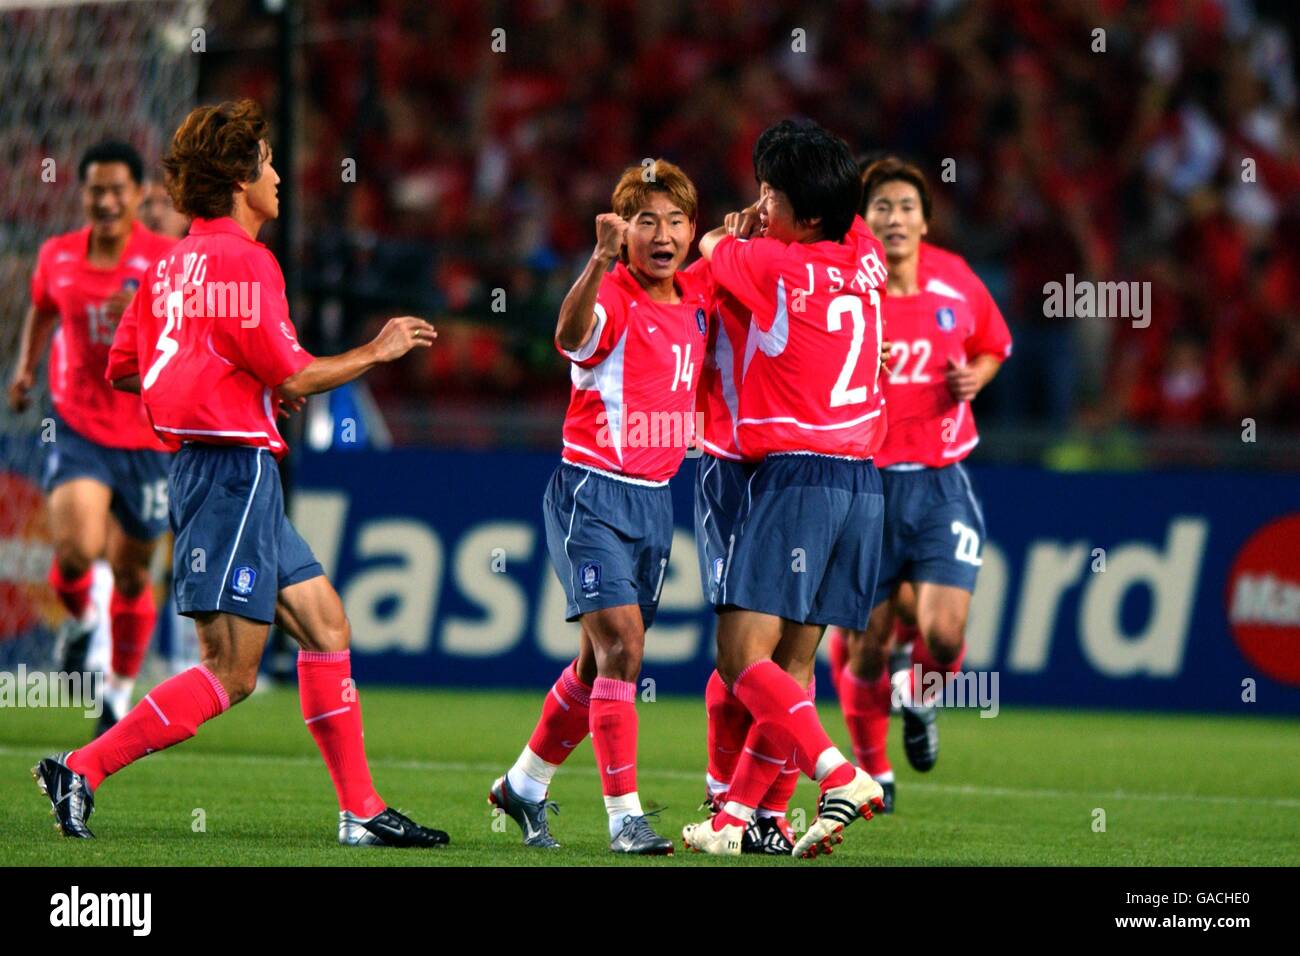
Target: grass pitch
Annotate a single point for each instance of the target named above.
(1023, 788)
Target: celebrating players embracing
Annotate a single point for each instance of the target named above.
(209, 345)
(634, 336)
(805, 549)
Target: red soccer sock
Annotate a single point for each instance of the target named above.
(838, 646)
(332, 710)
(132, 626)
(777, 798)
(782, 709)
(74, 593)
(168, 714)
(866, 712)
(921, 655)
(759, 768)
(565, 718)
(729, 723)
(613, 734)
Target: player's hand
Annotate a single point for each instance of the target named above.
(611, 233)
(116, 304)
(20, 391)
(402, 334)
(962, 381)
(885, 348)
(289, 406)
(745, 223)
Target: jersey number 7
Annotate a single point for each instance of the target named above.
(168, 346)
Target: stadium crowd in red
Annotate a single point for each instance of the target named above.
(1170, 156)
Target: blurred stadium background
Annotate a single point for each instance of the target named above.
(434, 164)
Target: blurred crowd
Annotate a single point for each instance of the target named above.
(1111, 141)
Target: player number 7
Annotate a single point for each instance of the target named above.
(167, 345)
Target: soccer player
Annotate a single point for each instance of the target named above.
(948, 340)
(209, 344)
(105, 471)
(721, 476)
(634, 336)
(804, 551)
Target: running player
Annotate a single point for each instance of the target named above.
(635, 335)
(105, 471)
(211, 348)
(948, 340)
(804, 551)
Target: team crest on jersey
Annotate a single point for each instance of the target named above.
(700, 320)
(590, 576)
(245, 578)
(946, 318)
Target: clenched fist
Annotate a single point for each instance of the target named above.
(611, 232)
(19, 390)
(743, 224)
(402, 334)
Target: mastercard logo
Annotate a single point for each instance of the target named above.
(1263, 599)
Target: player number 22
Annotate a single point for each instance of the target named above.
(841, 394)
(898, 374)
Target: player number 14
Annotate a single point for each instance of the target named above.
(685, 369)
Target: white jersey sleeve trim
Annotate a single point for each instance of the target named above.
(588, 348)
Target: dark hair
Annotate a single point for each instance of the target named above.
(213, 150)
(816, 171)
(891, 169)
(113, 151)
(773, 134)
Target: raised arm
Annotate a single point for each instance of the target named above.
(578, 311)
(742, 225)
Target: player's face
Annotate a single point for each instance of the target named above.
(658, 238)
(110, 198)
(158, 213)
(262, 195)
(777, 216)
(896, 217)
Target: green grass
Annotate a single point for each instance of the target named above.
(1019, 789)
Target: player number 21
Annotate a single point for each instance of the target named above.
(841, 394)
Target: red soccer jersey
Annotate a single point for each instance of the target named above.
(631, 410)
(66, 282)
(210, 336)
(953, 317)
(718, 401)
(810, 379)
